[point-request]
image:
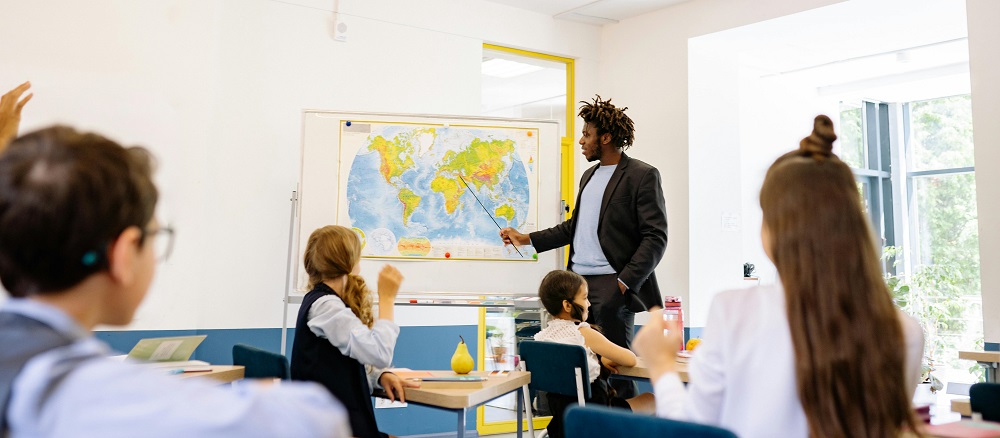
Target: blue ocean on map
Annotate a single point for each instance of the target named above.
(374, 203)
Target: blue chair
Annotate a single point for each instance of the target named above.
(260, 363)
(599, 422)
(984, 398)
(557, 369)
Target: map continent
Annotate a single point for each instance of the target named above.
(434, 191)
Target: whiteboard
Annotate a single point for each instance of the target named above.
(321, 201)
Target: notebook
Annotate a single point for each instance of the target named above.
(172, 349)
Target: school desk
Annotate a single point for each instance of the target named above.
(461, 400)
(640, 372)
(220, 373)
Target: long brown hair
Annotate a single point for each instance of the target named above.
(849, 360)
(334, 251)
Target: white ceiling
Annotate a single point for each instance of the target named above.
(591, 11)
(890, 50)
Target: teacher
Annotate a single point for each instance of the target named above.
(618, 230)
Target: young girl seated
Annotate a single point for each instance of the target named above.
(564, 295)
(338, 341)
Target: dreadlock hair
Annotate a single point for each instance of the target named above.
(608, 119)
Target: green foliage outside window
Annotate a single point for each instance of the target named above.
(943, 291)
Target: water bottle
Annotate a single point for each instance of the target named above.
(672, 311)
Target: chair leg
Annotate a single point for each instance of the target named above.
(579, 386)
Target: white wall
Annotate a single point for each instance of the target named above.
(714, 182)
(984, 69)
(652, 64)
(216, 90)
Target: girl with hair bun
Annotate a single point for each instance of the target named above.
(824, 353)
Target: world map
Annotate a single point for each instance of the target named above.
(438, 191)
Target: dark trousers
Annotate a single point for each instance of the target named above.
(608, 311)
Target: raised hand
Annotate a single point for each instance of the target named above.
(389, 280)
(10, 112)
(657, 344)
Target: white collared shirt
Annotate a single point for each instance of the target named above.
(331, 319)
(102, 397)
(742, 377)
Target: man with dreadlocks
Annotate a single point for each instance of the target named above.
(618, 230)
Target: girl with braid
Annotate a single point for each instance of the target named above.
(339, 340)
(824, 353)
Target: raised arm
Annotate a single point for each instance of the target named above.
(10, 113)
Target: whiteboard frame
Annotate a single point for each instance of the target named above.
(525, 276)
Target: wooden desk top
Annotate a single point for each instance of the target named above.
(962, 406)
(639, 370)
(221, 373)
(467, 398)
(980, 356)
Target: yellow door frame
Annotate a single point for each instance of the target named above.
(566, 190)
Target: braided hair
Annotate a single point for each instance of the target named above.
(608, 119)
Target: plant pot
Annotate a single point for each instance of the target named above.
(499, 354)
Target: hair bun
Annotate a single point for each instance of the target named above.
(821, 140)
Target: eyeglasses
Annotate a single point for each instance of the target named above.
(162, 240)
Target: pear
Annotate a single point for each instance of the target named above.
(461, 361)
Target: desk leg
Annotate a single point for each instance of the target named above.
(524, 394)
(520, 409)
(461, 423)
(990, 371)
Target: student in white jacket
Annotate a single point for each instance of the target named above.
(826, 353)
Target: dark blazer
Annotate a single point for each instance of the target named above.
(632, 229)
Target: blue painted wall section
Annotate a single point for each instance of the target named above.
(428, 348)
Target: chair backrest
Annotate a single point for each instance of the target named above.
(600, 422)
(260, 363)
(985, 399)
(553, 367)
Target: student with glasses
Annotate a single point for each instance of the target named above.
(78, 248)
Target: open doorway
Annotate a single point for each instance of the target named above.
(894, 77)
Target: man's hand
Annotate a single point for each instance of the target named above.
(621, 287)
(10, 113)
(512, 236)
(393, 386)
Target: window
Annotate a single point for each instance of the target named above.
(917, 177)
